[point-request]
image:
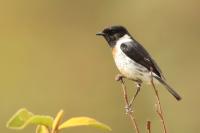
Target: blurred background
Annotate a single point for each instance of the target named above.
(51, 59)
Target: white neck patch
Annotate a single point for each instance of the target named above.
(125, 38)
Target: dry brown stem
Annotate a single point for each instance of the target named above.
(128, 110)
(149, 126)
(159, 110)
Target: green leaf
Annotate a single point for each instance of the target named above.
(42, 129)
(18, 120)
(83, 121)
(40, 120)
(57, 120)
(23, 118)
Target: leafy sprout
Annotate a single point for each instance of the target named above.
(48, 124)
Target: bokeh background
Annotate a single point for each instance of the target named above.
(50, 59)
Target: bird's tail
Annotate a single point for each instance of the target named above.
(169, 88)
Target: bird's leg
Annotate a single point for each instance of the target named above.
(138, 85)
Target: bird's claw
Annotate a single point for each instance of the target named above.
(128, 109)
(119, 77)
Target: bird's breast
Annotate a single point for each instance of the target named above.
(128, 67)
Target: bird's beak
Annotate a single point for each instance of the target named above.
(100, 34)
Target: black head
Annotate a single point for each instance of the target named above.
(113, 33)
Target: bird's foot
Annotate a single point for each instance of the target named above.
(119, 77)
(128, 109)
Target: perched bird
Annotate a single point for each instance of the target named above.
(132, 60)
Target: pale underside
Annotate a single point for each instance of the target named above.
(128, 67)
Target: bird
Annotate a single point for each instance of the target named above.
(132, 59)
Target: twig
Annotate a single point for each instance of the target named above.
(149, 126)
(129, 112)
(158, 105)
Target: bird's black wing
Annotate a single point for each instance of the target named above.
(136, 52)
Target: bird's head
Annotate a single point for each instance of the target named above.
(113, 33)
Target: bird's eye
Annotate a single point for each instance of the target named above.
(112, 32)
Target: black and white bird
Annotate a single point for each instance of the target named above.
(132, 60)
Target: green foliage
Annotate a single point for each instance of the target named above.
(41, 120)
(19, 119)
(23, 117)
(46, 124)
(83, 121)
(42, 129)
